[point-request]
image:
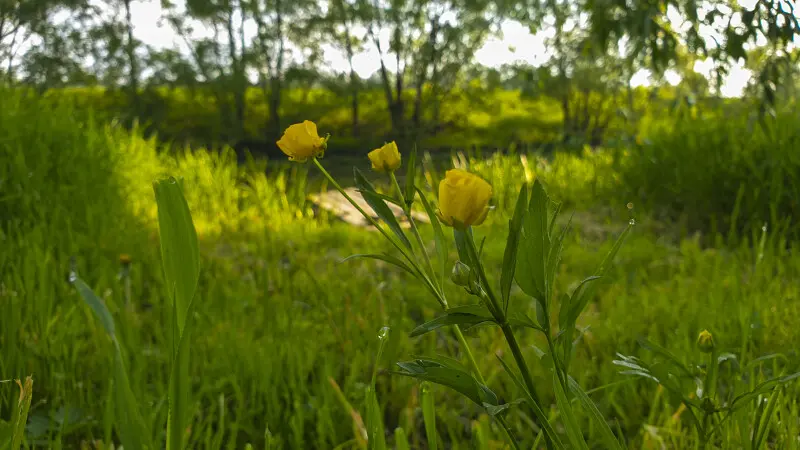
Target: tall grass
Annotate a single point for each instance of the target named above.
(724, 175)
(282, 317)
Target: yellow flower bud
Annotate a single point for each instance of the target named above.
(301, 141)
(125, 259)
(386, 158)
(705, 341)
(463, 198)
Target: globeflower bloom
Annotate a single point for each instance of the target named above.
(301, 141)
(386, 158)
(463, 199)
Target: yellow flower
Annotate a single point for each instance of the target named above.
(386, 158)
(705, 341)
(463, 198)
(301, 141)
(125, 259)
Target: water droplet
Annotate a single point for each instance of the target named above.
(764, 228)
(73, 277)
(384, 333)
(632, 222)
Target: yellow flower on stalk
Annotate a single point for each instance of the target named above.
(463, 198)
(705, 341)
(301, 141)
(386, 158)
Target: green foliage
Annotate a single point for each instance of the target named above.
(274, 306)
(726, 174)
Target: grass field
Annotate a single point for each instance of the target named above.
(287, 334)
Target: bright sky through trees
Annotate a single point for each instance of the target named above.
(515, 43)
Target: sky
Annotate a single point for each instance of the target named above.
(515, 43)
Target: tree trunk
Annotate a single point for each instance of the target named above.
(276, 84)
(130, 50)
(237, 82)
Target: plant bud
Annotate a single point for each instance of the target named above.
(461, 274)
(705, 341)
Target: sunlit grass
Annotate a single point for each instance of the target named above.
(281, 315)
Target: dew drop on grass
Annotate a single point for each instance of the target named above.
(73, 277)
(632, 222)
(384, 333)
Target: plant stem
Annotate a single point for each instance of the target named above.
(507, 431)
(463, 341)
(414, 229)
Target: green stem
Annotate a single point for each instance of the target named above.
(562, 376)
(414, 229)
(507, 431)
(463, 341)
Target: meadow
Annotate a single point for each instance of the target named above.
(287, 333)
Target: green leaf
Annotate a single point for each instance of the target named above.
(762, 425)
(181, 259)
(534, 246)
(581, 299)
(6, 433)
(566, 314)
(379, 206)
(97, 305)
(438, 233)
(429, 415)
(460, 236)
(393, 260)
(470, 315)
(495, 410)
(180, 254)
(522, 320)
(451, 375)
(130, 424)
(512, 246)
(179, 384)
(610, 441)
(376, 440)
(401, 439)
(537, 410)
(663, 352)
(571, 426)
(554, 255)
(411, 174)
(20, 416)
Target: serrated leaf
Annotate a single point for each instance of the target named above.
(571, 426)
(463, 315)
(180, 254)
(378, 205)
(456, 378)
(534, 245)
(512, 246)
